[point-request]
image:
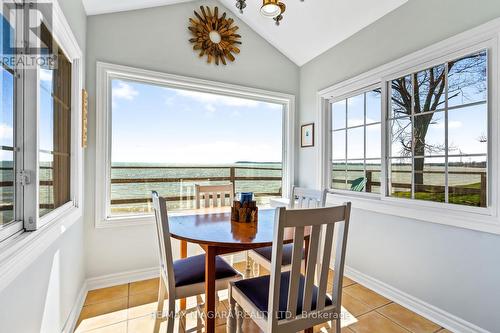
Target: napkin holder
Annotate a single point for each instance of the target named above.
(244, 212)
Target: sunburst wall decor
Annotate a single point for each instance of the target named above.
(214, 36)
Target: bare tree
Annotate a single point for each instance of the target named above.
(429, 95)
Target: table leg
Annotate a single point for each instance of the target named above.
(210, 289)
(183, 255)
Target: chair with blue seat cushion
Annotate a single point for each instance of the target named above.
(257, 290)
(289, 301)
(300, 198)
(184, 277)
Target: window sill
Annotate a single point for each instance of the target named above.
(477, 219)
(21, 249)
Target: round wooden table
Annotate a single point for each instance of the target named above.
(217, 234)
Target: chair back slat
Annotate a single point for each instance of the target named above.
(307, 198)
(311, 267)
(164, 244)
(207, 191)
(275, 279)
(322, 222)
(298, 244)
(324, 267)
(340, 249)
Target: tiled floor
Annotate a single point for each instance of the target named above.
(128, 308)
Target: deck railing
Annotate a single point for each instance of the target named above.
(453, 189)
(231, 172)
(232, 178)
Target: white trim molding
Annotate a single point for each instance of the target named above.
(484, 37)
(76, 309)
(107, 72)
(426, 310)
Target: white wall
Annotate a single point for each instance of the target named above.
(41, 298)
(454, 269)
(157, 39)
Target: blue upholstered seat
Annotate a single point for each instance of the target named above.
(257, 290)
(286, 259)
(191, 270)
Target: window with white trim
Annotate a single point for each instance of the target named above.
(356, 145)
(434, 137)
(37, 162)
(438, 121)
(157, 131)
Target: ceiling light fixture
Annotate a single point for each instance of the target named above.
(270, 8)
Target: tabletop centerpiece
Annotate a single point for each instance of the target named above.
(244, 209)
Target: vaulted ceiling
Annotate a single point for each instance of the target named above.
(309, 27)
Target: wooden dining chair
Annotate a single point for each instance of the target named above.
(207, 191)
(289, 301)
(300, 198)
(184, 277)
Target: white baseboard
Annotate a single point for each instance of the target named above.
(439, 316)
(122, 278)
(69, 326)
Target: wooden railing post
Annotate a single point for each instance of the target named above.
(231, 178)
(484, 189)
(368, 181)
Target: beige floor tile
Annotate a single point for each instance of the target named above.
(408, 319)
(354, 306)
(106, 294)
(146, 325)
(366, 295)
(326, 328)
(240, 266)
(114, 328)
(142, 304)
(249, 326)
(143, 298)
(345, 281)
(189, 320)
(263, 271)
(347, 319)
(144, 286)
(102, 314)
(373, 322)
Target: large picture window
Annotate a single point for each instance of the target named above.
(170, 140)
(438, 120)
(173, 134)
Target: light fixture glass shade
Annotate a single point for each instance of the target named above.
(270, 8)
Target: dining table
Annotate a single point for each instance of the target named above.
(217, 235)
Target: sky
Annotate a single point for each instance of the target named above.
(154, 124)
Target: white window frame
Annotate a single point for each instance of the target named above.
(21, 248)
(338, 98)
(107, 72)
(487, 219)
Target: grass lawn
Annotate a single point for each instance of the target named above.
(459, 199)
